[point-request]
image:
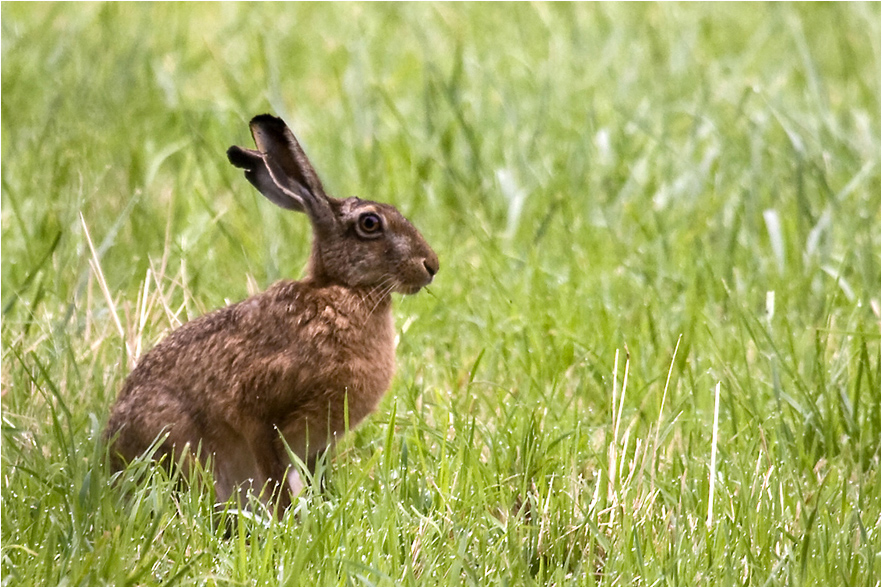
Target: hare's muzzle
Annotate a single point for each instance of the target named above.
(431, 265)
(422, 274)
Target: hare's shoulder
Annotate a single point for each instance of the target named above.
(324, 309)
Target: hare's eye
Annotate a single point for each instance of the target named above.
(370, 224)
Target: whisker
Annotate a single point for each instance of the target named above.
(386, 286)
(378, 292)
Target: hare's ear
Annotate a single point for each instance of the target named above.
(258, 174)
(281, 171)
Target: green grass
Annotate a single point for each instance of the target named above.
(632, 205)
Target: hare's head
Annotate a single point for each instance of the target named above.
(357, 243)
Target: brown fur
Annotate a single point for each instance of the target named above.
(291, 360)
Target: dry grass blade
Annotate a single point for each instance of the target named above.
(95, 264)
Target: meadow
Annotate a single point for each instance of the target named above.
(651, 355)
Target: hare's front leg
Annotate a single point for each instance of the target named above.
(273, 465)
(306, 443)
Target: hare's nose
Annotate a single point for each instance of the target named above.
(431, 265)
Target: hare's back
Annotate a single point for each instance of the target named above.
(286, 337)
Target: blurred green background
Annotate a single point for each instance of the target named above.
(692, 190)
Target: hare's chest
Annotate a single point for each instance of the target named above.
(366, 365)
(342, 374)
(350, 353)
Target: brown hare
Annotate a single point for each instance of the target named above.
(292, 362)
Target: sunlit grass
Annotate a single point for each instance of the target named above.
(634, 206)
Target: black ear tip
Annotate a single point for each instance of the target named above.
(267, 120)
(240, 158)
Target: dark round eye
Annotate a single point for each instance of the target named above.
(370, 223)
